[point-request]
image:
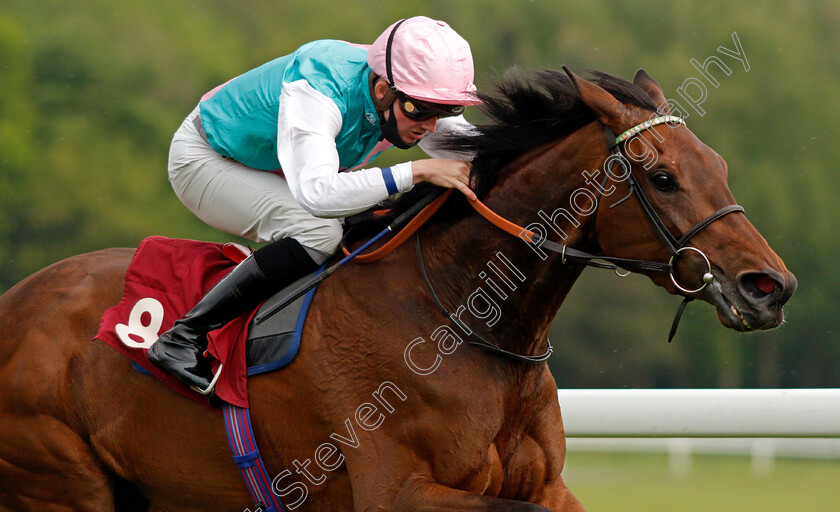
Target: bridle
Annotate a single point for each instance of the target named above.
(675, 245)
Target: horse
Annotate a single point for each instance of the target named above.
(386, 406)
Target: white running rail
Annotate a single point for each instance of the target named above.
(700, 412)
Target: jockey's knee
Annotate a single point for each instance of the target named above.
(321, 240)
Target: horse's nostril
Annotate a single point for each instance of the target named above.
(765, 284)
(759, 286)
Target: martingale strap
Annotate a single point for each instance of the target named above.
(477, 340)
(247, 457)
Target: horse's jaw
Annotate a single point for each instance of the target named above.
(736, 308)
(728, 314)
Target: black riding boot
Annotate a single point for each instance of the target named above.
(180, 349)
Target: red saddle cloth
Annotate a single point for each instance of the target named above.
(165, 279)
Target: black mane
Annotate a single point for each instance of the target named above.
(529, 112)
(524, 113)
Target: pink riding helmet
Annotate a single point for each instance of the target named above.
(429, 61)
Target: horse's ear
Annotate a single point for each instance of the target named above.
(650, 86)
(609, 110)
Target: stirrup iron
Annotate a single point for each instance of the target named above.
(212, 384)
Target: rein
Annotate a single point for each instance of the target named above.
(675, 245)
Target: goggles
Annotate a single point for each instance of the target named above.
(417, 110)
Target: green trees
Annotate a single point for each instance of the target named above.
(92, 90)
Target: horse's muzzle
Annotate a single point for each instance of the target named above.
(753, 301)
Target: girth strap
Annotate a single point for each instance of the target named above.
(247, 457)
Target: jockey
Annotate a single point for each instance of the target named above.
(262, 157)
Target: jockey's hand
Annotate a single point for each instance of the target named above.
(444, 173)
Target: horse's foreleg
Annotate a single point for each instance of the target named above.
(426, 495)
(420, 494)
(556, 496)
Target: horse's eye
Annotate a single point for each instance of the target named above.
(664, 181)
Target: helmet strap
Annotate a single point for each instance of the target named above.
(386, 100)
(388, 127)
(388, 51)
(389, 130)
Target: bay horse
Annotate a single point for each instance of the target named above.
(385, 407)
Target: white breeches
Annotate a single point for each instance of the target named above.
(250, 203)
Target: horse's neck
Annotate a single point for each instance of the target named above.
(509, 293)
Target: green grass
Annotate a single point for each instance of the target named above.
(630, 482)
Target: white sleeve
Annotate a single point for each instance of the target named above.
(447, 126)
(308, 123)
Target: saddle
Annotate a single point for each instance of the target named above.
(168, 276)
(164, 280)
(274, 343)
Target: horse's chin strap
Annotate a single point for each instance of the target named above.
(477, 340)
